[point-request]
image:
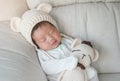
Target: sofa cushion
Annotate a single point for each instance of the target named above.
(109, 77)
(18, 59)
(11, 8)
(34, 3)
(97, 22)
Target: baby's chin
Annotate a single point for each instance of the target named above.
(53, 47)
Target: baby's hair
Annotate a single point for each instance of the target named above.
(37, 26)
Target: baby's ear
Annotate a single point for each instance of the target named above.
(15, 24)
(96, 55)
(44, 7)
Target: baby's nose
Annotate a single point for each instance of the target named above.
(50, 39)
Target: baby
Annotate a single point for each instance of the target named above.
(53, 48)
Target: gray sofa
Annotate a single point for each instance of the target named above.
(94, 20)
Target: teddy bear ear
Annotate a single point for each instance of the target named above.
(15, 23)
(96, 55)
(44, 7)
(76, 42)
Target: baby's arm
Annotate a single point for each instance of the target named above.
(57, 66)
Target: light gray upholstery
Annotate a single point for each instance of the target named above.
(18, 59)
(110, 77)
(97, 22)
(94, 20)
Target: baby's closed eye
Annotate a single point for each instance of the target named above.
(51, 32)
(42, 40)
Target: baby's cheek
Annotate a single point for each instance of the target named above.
(46, 47)
(41, 45)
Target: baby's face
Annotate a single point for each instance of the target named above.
(47, 37)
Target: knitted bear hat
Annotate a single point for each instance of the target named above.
(30, 18)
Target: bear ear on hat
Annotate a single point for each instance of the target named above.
(15, 23)
(44, 7)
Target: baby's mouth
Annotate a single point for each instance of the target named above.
(55, 43)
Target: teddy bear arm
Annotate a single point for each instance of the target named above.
(74, 75)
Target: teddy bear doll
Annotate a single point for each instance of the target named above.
(84, 51)
(86, 54)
